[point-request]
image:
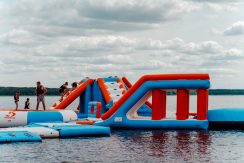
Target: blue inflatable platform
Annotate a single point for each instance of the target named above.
(226, 118)
(19, 136)
(37, 131)
(82, 130)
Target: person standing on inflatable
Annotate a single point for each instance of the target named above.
(16, 99)
(40, 93)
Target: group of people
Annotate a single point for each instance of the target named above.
(40, 94)
(64, 88)
(16, 100)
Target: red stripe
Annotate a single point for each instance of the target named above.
(106, 94)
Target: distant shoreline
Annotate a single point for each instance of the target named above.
(30, 91)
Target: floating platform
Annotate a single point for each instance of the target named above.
(50, 130)
(22, 118)
(226, 118)
(152, 124)
(19, 136)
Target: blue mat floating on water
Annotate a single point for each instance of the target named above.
(226, 115)
(19, 136)
(226, 118)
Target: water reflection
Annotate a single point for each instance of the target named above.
(168, 145)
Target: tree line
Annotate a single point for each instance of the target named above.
(28, 91)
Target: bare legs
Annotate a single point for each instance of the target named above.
(43, 104)
(37, 105)
(17, 105)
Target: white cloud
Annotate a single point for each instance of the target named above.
(69, 17)
(121, 55)
(236, 28)
(67, 40)
(228, 7)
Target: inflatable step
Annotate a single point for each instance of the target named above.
(51, 130)
(226, 118)
(75, 130)
(43, 132)
(82, 130)
(18, 136)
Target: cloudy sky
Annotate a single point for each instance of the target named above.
(65, 40)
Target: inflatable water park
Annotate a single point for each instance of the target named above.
(112, 103)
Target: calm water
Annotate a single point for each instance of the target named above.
(136, 146)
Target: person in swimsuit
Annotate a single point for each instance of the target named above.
(40, 94)
(16, 99)
(63, 89)
(27, 103)
(74, 86)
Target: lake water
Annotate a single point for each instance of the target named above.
(135, 146)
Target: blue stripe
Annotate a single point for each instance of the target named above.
(226, 115)
(82, 130)
(44, 116)
(110, 79)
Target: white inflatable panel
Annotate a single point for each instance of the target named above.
(93, 119)
(119, 91)
(13, 118)
(69, 115)
(116, 95)
(116, 98)
(112, 86)
(42, 131)
(57, 124)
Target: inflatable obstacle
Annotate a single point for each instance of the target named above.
(109, 90)
(123, 114)
(115, 102)
(112, 89)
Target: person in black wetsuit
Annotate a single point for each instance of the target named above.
(27, 103)
(16, 99)
(40, 93)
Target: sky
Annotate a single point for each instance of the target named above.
(54, 41)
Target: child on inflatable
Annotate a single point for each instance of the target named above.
(27, 103)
